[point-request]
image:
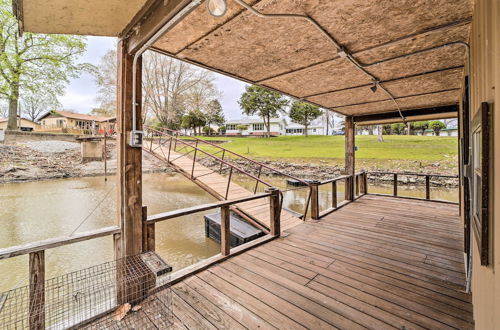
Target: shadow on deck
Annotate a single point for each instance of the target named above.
(379, 262)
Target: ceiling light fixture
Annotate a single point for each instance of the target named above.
(217, 8)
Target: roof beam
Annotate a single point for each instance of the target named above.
(449, 111)
(149, 20)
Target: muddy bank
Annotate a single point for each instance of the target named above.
(325, 172)
(41, 160)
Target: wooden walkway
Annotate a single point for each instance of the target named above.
(216, 184)
(377, 263)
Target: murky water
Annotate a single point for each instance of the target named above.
(41, 210)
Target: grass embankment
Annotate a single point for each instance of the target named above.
(397, 152)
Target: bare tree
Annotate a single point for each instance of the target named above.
(172, 88)
(106, 81)
(33, 105)
(329, 121)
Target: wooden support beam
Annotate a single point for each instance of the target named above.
(449, 111)
(148, 232)
(334, 194)
(225, 231)
(150, 19)
(395, 184)
(37, 290)
(314, 199)
(349, 156)
(129, 165)
(275, 212)
(427, 187)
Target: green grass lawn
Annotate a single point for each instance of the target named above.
(421, 150)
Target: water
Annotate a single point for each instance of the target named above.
(46, 209)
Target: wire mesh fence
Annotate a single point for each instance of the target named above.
(113, 295)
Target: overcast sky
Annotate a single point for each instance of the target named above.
(81, 93)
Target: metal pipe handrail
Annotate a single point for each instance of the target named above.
(240, 156)
(216, 158)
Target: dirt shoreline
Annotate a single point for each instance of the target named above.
(21, 163)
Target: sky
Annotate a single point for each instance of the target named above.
(81, 93)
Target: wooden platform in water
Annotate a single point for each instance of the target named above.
(216, 184)
(378, 263)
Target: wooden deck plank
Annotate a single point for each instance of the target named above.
(336, 273)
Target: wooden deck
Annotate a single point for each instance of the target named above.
(216, 184)
(378, 263)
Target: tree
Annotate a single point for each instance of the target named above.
(304, 113)
(193, 119)
(222, 129)
(386, 129)
(214, 113)
(329, 120)
(421, 126)
(241, 128)
(437, 126)
(34, 105)
(172, 88)
(103, 112)
(266, 104)
(398, 128)
(106, 79)
(380, 131)
(35, 63)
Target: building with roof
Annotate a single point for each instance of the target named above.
(279, 126)
(255, 127)
(72, 122)
(23, 124)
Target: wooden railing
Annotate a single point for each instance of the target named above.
(150, 221)
(360, 188)
(192, 148)
(36, 252)
(427, 176)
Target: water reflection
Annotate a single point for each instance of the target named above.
(40, 210)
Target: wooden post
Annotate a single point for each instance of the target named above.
(314, 199)
(427, 187)
(37, 290)
(129, 167)
(148, 232)
(365, 183)
(395, 184)
(225, 231)
(349, 156)
(334, 194)
(357, 183)
(275, 211)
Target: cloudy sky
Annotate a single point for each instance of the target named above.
(81, 93)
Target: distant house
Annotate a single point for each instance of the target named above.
(279, 126)
(71, 122)
(443, 132)
(296, 129)
(22, 123)
(255, 127)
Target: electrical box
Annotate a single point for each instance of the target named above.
(136, 138)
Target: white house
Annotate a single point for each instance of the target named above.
(296, 129)
(255, 127)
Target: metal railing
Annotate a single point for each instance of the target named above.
(156, 140)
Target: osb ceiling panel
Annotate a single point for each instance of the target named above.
(89, 17)
(406, 103)
(332, 75)
(429, 83)
(290, 55)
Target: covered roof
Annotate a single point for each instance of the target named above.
(413, 49)
(89, 17)
(78, 116)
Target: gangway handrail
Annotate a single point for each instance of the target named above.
(239, 155)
